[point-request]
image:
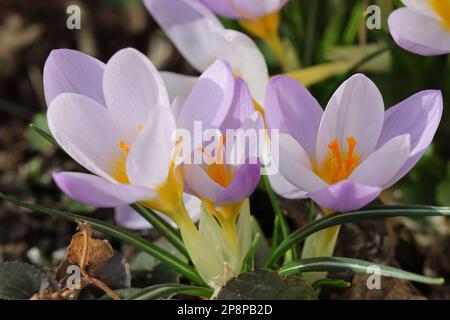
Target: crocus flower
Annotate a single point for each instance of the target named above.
(422, 27)
(343, 157)
(244, 9)
(227, 176)
(116, 121)
(202, 39)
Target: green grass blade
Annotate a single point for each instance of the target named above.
(249, 260)
(44, 134)
(341, 218)
(338, 264)
(280, 221)
(337, 283)
(165, 290)
(119, 233)
(169, 232)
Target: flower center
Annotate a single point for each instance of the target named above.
(119, 172)
(442, 8)
(220, 172)
(339, 163)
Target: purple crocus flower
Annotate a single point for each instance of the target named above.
(343, 157)
(223, 180)
(422, 27)
(115, 120)
(244, 9)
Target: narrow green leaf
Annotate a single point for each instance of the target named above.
(119, 233)
(341, 218)
(165, 290)
(44, 134)
(249, 260)
(337, 283)
(169, 232)
(280, 221)
(338, 264)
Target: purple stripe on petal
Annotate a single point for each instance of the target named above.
(418, 33)
(210, 99)
(290, 108)
(345, 196)
(70, 71)
(419, 116)
(244, 183)
(99, 192)
(241, 107)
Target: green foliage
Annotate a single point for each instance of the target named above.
(338, 264)
(20, 281)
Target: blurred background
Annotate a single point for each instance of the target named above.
(318, 32)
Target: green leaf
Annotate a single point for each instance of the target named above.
(123, 293)
(249, 260)
(341, 218)
(338, 264)
(122, 234)
(35, 133)
(146, 270)
(280, 221)
(41, 132)
(266, 285)
(166, 290)
(20, 281)
(170, 233)
(337, 283)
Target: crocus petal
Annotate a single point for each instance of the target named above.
(133, 87)
(222, 8)
(210, 100)
(382, 165)
(178, 85)
(345, 196)
(244, 183)
(244, 9)
(422, 7)
(295, 166)
(70, 71)
(201, 39)
(85, 130)
(149, 166)
(177, 104)
(98, 192)
(189, 25)
(283, 188)
(290, 108)
(356, 109)
(241, 107)
(198, 183)
(245, 59)
(419, 33)
(201, 185)
(126, 217)
(418, 116)
(193, 206)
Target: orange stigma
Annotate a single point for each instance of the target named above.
(123, 145)
(218, 170)
(339, 164)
